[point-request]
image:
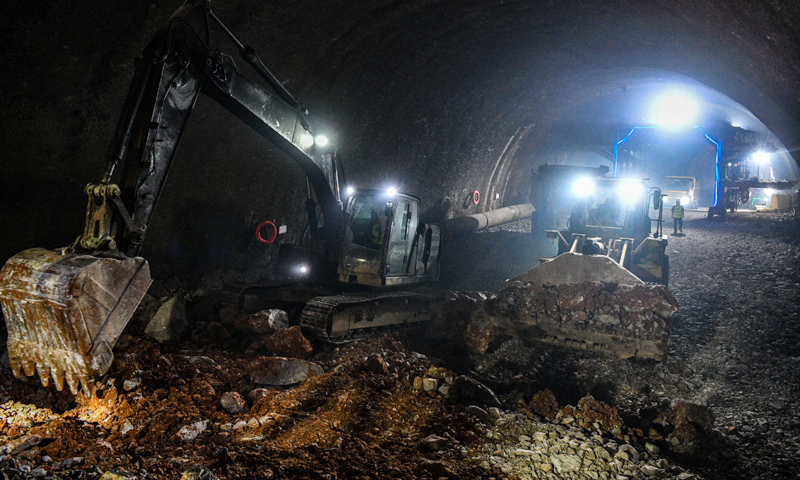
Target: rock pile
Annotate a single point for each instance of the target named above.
(523, 445)
(617, 319)
(627, 320)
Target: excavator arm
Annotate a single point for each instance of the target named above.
(176, 67)
(65, 309)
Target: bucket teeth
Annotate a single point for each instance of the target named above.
(58, 376)
(44, 374)
(72, 383)
(29, 367)
(64, 313)
(87, 385)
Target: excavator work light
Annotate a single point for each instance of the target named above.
(306, 141)
(321, 140)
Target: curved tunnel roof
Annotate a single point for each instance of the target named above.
(438, 97)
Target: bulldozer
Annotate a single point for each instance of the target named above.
(606, 216)
(610, 253)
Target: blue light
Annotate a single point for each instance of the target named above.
(716, 161)
(620, 142)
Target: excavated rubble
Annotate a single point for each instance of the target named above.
(409, 404)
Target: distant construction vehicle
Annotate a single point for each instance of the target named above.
(683, 189)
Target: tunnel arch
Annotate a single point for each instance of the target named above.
(440, 97)
(611, 104)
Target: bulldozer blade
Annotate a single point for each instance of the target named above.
(64, 313)
(590, 302)
(569, 268)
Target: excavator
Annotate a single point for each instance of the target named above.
(65, 309)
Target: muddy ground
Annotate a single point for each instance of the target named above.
(734, 350)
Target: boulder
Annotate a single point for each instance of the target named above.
(544, 403)
(464, 320)
(264, 322)
(169, 322)
(197, 472)
(191, 432)
(288, 342)
(683, 413)
(466, 390)
(282, 371)
(433, 443)
(233, 402)
(376, 364)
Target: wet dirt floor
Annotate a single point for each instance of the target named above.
(735, 351)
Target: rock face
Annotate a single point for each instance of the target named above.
(169, 322)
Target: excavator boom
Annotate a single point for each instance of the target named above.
(65, 309)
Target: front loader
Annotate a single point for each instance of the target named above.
(607, 263)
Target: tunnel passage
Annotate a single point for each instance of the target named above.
(437, 98)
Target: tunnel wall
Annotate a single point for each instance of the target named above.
(430, 96)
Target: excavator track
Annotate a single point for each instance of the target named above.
(346, 318)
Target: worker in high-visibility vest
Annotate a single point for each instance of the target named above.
(677, 217)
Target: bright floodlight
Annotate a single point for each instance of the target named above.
(761, 157)
(630, 190)
(583, 187)
(391, 191)
(306, 140)
(676, 110)
(321, 140)
(350, 190)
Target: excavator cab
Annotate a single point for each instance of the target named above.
(384, 243)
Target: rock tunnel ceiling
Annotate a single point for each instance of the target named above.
(436, 97)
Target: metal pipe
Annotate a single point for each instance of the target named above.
(492, 218)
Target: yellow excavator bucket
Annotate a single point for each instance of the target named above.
(64, 313)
